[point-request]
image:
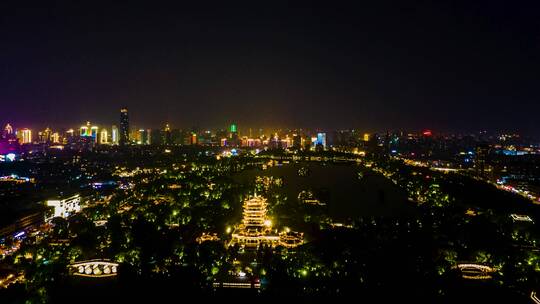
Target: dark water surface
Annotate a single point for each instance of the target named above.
(338, 186)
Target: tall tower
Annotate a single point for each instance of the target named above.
(482, 153)
(104, 137)
(124, 126)
(233, 130)
(25, 136)
(8, 131)
(114, 135)
(166, 135)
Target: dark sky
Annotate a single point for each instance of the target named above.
(373, 65)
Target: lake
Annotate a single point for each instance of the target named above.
(338, 186)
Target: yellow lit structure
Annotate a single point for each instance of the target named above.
(8, 130)
(473, 271)
(55, 138)
(114, 135)
(26, 136)
(366, 137)
(94, 269)
(256, 228)
(104, 137)
(205, 237)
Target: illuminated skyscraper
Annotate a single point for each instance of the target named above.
(143, 137)
(321, 140)
(55, 138)
(234, 139)
(482, 153)
(166, 135)
(94, 133)
(45, 136)
(85, 130)
(8, 131)
(89, 131)
(124, 127)
(104, 137)
(114, 135)
(25, 136)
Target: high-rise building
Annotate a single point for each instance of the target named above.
(8, 131)
(166, 135)
(104, 137)
(55, 138)
(124, 127)
(297, 141)
(234, 139)
(70, 133)
(94, 131)
(482, 153)
(89, 131)
(321, 140)
(25, 136)
(85, 130)
(45, 136)
(143, 137)
(114, 135)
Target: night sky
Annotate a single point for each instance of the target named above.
(461, 66)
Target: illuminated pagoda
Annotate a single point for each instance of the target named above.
(256, 227)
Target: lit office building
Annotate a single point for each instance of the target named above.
(94, 133)
(233, 129)
(313, 141)
(84, 130)
(114, 135)
(104, 137)
(251, 142)
(25, 136)
(55, 138)
(89, 131)
(124, 127)
(64, 207)
(70, 133)
(286, 142)
(319, 141)
(8, 131)
(45, 136)
(166, 135)
(143, 136)
(234, 139)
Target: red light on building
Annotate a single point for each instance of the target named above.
(427, 133)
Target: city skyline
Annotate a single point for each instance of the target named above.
(384, 150)
(379, 66)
